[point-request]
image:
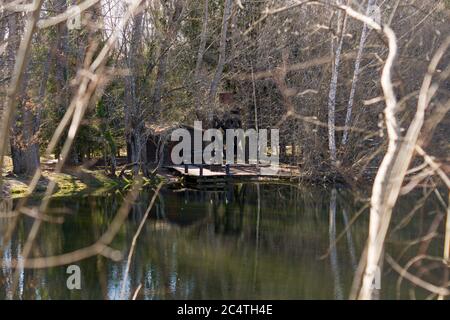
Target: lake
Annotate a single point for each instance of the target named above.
(250, 241)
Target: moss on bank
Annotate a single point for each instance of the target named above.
(82, 181)
(75, 182)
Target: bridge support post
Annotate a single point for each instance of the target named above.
(227, 169)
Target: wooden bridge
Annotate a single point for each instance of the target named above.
(217, 176)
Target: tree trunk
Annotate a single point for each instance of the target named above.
(222, 56)
(362, 42)
(174, 20)
(333, 88)
(60, 61)
(23, 142)
(198, 66)
(133, 121)
(160, 79)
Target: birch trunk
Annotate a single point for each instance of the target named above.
(356, 72)
(333, 89)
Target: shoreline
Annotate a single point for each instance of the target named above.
(79, 181)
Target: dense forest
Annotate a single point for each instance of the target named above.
(309, 70)
(359, 90)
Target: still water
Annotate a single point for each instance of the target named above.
(250, 241)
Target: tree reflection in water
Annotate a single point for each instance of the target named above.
(249, 241)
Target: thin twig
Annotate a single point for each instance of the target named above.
(135, 237)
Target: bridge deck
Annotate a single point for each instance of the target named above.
(238, 171)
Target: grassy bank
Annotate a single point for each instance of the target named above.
(77, 180)
(84, 181)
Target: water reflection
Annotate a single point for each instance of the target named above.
(338, 294)
(250, 241)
